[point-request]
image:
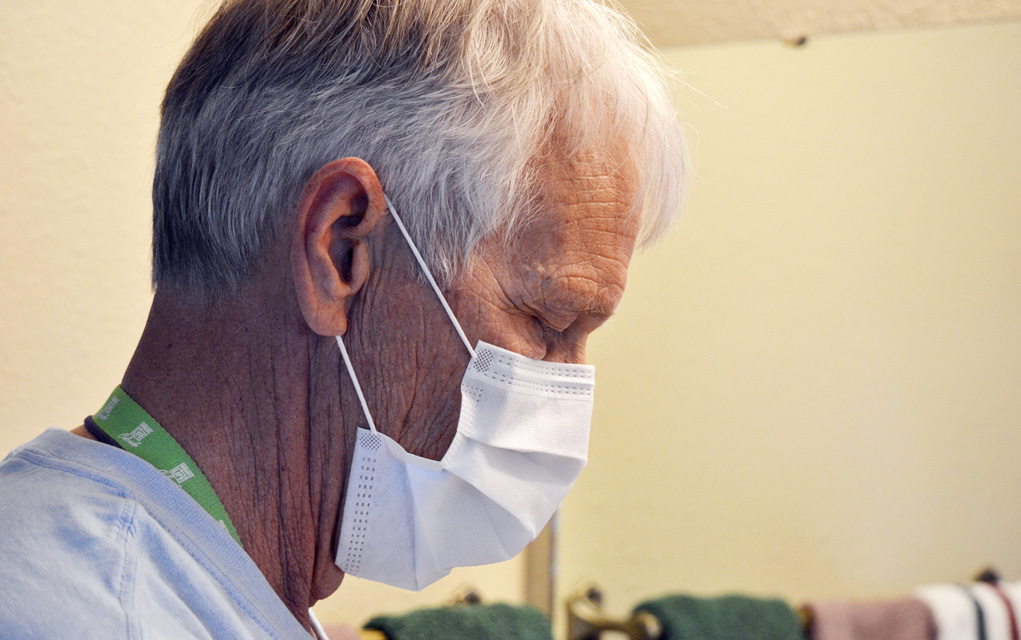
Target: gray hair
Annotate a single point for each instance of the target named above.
(450, 101)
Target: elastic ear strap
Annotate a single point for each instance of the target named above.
(316, 627)
(354, 379)
(429, 275)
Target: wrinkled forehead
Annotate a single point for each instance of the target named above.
(587, 205)
(577, 247)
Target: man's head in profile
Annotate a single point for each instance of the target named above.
(455, 189)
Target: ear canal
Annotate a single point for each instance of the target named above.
(358, 265)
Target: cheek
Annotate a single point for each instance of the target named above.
(489, 317)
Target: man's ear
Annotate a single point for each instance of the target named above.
(340, 207)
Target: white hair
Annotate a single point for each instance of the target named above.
(450, 101)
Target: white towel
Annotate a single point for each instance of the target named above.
(1013, 591)
(994, 610)
(953, 611)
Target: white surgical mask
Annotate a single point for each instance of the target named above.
(521, 442)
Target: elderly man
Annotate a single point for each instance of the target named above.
(382, 234)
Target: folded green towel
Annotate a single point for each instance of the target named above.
(466, 622)
(724, 618)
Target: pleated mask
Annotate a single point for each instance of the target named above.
(521, 442)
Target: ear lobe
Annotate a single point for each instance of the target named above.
(338, 213)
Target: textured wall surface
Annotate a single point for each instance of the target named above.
(686, 22)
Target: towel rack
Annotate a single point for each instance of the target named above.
(587, 621)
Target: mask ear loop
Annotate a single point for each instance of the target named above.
(439, 294)
(429, 276)
(358, 387)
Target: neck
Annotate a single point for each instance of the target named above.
(231, 385)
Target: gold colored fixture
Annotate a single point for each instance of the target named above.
(587, 621)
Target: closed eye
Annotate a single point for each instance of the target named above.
(546, 333)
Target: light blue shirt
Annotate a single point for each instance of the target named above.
(97, 543)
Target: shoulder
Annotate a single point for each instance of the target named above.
(65, 530)
(51, 503)
(104, 539)
(81, 551)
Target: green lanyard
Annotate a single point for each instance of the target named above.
(137, 432)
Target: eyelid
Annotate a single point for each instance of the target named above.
(543, 325)
(544, 318)
(554, 326)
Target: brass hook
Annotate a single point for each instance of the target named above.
(587, 621)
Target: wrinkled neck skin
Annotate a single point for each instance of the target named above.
(230, 390)
(263, 406)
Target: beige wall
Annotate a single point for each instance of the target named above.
(671, 23)
(813, 386)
